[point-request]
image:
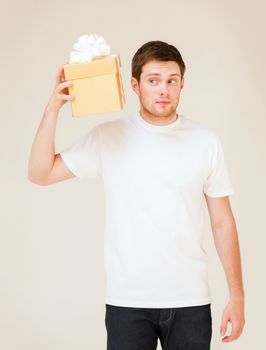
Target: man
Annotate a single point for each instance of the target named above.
(158, 168)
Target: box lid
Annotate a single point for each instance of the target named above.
(98, 66)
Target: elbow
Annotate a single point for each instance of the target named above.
(37, 180)
(227, 225)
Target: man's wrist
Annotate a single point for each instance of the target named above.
(51, 111)
(237, 297)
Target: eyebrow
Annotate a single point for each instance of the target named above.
(160, 74)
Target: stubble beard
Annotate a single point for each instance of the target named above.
(155, 113)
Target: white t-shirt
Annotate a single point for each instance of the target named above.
(154, 179)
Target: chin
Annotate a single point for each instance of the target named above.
(165, 113)
(156, 112)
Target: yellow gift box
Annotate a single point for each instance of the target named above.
(97, 86)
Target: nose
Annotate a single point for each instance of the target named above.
(163, 89)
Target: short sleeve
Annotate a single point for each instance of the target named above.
(83, 157)
(217, 182)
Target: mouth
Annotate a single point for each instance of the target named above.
(163, 102)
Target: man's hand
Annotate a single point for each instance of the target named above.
(233, 313)
(60, 94)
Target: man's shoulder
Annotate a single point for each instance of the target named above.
(114, 127)
(200, 129)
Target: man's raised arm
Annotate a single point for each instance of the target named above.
(45, 167)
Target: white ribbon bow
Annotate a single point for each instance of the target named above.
(89, 47)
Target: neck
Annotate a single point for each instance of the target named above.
(158, 120)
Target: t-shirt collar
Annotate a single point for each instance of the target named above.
(156, 128)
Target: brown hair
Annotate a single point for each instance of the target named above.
(155, 50)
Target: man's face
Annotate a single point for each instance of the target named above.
(159, 88)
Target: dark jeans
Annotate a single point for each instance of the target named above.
(181, 328)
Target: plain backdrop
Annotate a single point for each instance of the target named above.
(52, 278)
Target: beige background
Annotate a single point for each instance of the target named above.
(52, 279)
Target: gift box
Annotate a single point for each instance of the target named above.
(97, 85)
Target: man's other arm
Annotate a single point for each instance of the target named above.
(227, 246)
(45, 167)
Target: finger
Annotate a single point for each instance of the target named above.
(229, 338)
(60, 76)
(67, 97)
(226, 339)
(223, 327)
(63, 71)
(235, 333)
(64, 85)
(236, 329)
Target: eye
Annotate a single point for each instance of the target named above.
(152, 81)
(174, 81)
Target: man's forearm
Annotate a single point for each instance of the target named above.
(227, 246)
(43, 148)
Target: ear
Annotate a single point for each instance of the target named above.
(182, 83)
(135, 85)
